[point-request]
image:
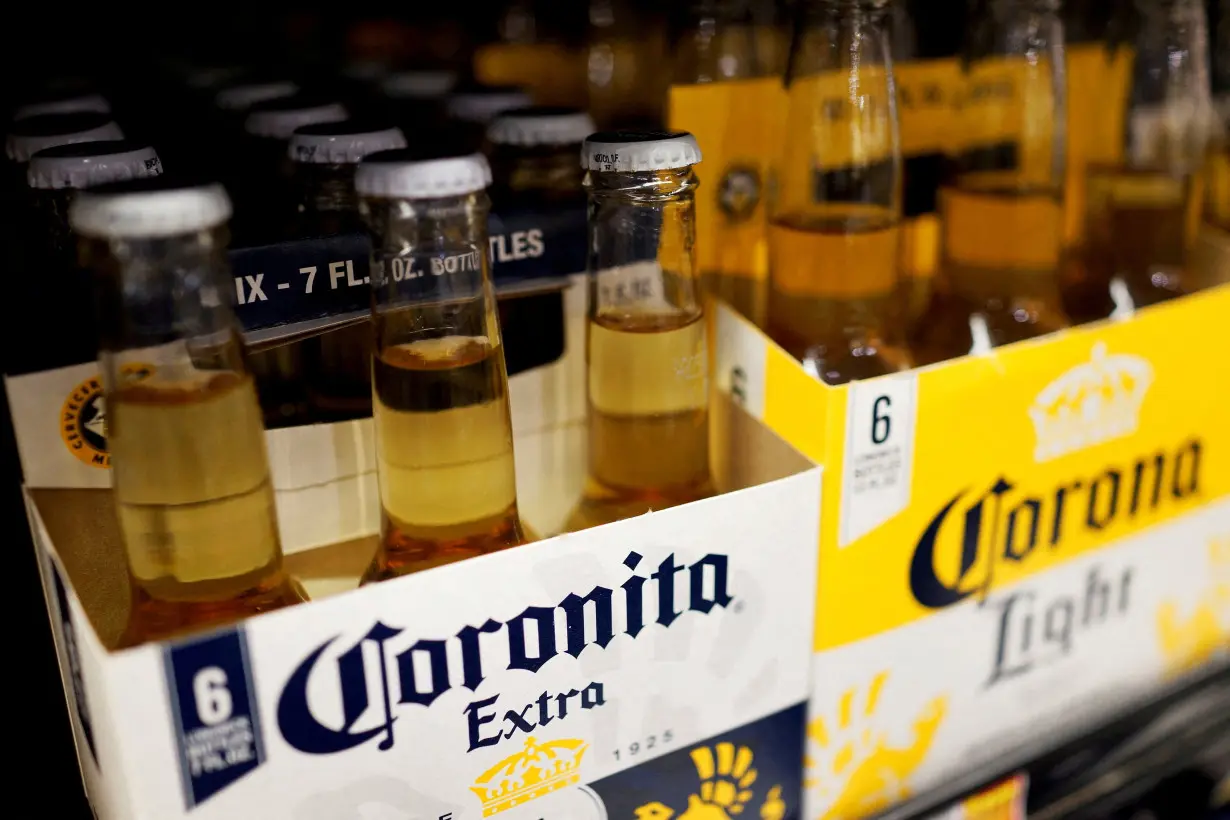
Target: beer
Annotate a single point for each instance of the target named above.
(472, 108)
(52, 275)
(536, 177)
(1002, 209)
(1137, 229)
(834, 230)
(1217, 192)
(648, 376)
(715, 65)
(1142, 212)
(325, 156)
(444, 443)
(189, 469)
(448, 487)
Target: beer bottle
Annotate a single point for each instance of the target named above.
(472, 108)
(714, 58)
(325, 157)
(1217, 192)
(834, 228)
(648, 385)
(1142, 214)
(267, 188)
(189, 468)
(52, 275)
(1001, 212)
(625, 47)
(444, 443)
(414, 101)
(536, 182)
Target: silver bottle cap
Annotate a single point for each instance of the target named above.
(542, 125)
(85, 164)
(402, 174)
(147, 209)
(632, 151)
(342, 143)
(28, 137)
(278, 119)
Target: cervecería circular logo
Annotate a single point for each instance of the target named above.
(83, 417)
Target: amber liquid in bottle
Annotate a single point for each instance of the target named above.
(444, 441)
(195, 504)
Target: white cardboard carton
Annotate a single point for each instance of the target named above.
(651, 668)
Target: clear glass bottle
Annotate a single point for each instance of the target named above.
(1217, 187)
(625, 48)
(714, 58)
(325, 157)
(648, 363)
(444, 444)
(1002, 210)
(54, 176)
(536, 185)
(1141, 215)
(414, 101)
(834, 227)
(472, 108)
(189, 469)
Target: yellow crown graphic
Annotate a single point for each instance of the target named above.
(539, 769)
(1093, 402)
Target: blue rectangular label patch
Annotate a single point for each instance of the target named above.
(216, 719)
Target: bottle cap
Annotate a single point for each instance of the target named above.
(482, 104)
(418, 85)
(278, 119)
(404, 174)
(541, 125)
(148, 209)
(27, 137)
(83, 164)
(203, 78)
(65, 104)
(342, 143)
(244, 96)
(639, 151)
(365, 71)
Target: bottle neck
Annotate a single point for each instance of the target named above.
(642, 237)
(151, 292)
(540, 175)
(326, 188)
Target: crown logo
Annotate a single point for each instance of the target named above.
(539, 769)
(1093, 402)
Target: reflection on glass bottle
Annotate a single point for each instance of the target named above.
(444, 444)
(834, 227)
(325, 156)
(625, 49)
(712, 90)
(55, 175)
(189, 469)
(648, 385)
(1141, 215)
(1001, 214)
(1217, 190)
(536, 181)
